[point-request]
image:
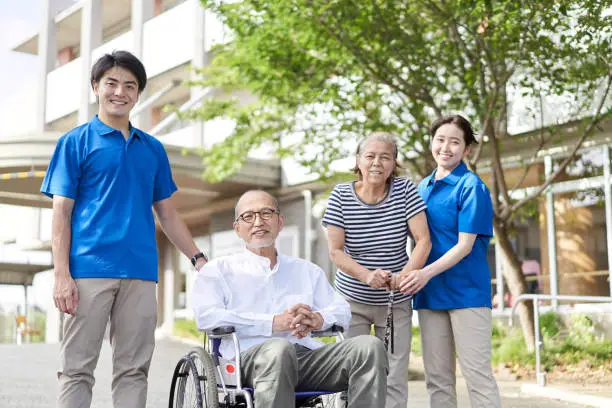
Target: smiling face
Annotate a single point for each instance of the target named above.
(376, 162)
(256, 231)
(117, 92)
(448, 146)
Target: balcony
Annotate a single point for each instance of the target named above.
(169, 42)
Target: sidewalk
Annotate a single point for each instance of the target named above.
(30, 380)
(585, 395)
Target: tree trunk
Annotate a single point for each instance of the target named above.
(516, 282)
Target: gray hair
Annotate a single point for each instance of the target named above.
(379, 137)
(274, 200)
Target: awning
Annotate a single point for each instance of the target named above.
(20, 273)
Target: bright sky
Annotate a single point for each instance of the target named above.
(18, 82)
(18, 71)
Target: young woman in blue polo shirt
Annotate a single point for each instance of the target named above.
(453, 290)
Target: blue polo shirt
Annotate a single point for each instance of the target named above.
(460, 202)
(113, 183)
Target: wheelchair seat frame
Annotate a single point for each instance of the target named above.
(215, 382)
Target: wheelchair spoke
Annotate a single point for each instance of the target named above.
(206, 377)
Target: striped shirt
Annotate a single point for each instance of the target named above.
(375, 235)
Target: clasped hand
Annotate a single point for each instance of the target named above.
(299, 319)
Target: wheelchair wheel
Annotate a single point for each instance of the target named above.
(207, 376)
(185, 390)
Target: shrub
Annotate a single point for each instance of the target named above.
(581, 330)
(510, 349)
(550, 324)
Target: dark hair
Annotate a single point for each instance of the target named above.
(380, 137)
(459, 121)
(122, 59)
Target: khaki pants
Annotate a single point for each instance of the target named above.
(276, 367)
(366, 315)
(468, 331)
(131, 306)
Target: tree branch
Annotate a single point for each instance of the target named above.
(596, 119)
(533, 158)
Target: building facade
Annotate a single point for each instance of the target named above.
(170, 36)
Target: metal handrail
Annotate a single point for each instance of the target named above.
(539, 344)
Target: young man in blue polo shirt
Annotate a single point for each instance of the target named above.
(104, 177)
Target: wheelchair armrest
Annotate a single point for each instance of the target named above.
(221, 331)
(334, 330)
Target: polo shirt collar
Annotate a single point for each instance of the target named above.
(453, 177)
(103, 129)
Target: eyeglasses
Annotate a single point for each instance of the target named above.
(265, 214)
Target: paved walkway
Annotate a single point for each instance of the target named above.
(27, 380)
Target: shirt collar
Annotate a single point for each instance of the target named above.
(452, 178)
(103, 129)
(262, 260)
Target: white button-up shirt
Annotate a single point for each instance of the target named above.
(243, 291)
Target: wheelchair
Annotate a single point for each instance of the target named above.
(204, 379)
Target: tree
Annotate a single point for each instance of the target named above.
(325, 73)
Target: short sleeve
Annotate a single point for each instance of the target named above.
(333, 213)
(64, 170)
(414, 202)
(164, 184)
(476, 210)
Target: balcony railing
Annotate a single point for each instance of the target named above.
(169, 41)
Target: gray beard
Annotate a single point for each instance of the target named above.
(260, 245)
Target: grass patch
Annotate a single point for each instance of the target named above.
(508, 347)
(563, 345)
(416, 341)
(187, 328)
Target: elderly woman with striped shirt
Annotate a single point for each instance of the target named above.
(368, 223)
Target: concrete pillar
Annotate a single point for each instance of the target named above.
(26, 306)
(169, 289)
(47, 51)
(91, 38)
(551, 235)
(25, 302)
(607, 155)
(200, 60)
(142, 11)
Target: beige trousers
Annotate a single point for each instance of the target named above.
(130, 305)
(276, 367)
(366, 315)
(468, 333)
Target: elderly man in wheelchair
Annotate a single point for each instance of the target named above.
(260, 310)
